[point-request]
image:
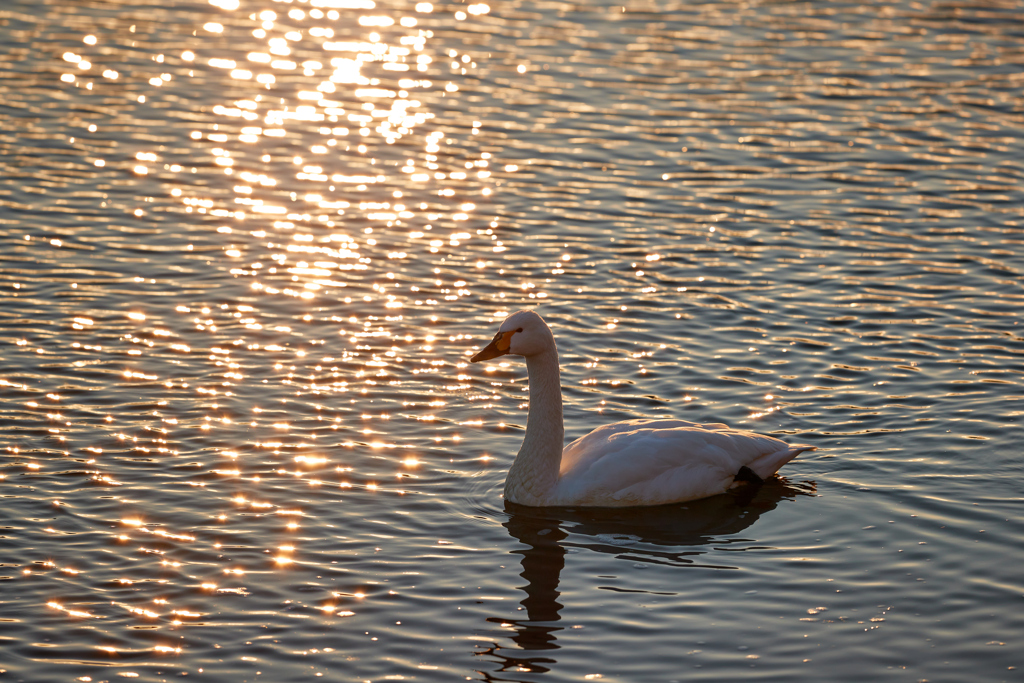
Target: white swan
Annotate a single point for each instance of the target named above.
(631, 463)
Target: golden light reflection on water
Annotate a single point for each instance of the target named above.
(337, 115)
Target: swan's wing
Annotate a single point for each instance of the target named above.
(657, 461)
(596, 444)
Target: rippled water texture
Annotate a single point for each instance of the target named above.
(248, 247)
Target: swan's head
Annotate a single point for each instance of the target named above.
(523, 333)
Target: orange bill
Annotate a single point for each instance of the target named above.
(499, 346)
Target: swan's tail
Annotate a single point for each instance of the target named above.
(767, 465)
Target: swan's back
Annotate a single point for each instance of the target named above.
(649, 462)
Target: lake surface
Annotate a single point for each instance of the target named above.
(247, 248)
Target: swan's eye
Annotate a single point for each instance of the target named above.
(519, 330)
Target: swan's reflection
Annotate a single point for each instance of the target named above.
(667, 534)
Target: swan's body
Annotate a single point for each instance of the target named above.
(636, 462)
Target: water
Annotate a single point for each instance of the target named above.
(248, 250)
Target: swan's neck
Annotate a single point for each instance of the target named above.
(534, 473)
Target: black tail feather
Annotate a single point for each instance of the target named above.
(748, 475)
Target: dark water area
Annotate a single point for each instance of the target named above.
(247, 248)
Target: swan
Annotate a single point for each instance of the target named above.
(630, 463)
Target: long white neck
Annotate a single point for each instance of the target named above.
(534, 473)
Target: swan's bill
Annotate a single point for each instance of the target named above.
(499, 346)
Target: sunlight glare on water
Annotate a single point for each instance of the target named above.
(249, 248)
